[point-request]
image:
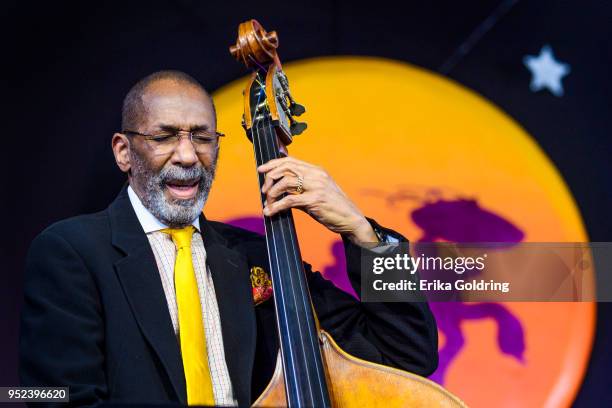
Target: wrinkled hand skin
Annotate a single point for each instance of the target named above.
(321, 198)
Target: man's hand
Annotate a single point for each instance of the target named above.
(321, 197)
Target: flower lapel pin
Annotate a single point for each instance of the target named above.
(261, 284)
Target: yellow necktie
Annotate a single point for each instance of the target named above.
(191, 327)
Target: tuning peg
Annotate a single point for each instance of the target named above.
(298, 127)
(282, 78)
(296, 109)
(243, 122)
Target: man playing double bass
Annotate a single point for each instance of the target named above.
(120, 304)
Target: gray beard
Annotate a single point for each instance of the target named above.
(174, 213)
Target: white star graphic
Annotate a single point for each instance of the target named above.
(546, 71)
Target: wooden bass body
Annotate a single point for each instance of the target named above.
(354, 382)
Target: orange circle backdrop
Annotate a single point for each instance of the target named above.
(386, 129)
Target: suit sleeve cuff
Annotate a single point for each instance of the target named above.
(353, 252)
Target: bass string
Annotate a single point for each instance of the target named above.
(279, 295)
(276, 222)
(306, 302)
(272, 151)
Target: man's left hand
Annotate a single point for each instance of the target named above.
(320, 197)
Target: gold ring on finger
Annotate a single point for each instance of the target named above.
(299, 189)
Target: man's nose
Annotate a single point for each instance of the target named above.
(185, 154)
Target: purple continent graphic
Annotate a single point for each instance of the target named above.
(465, 221)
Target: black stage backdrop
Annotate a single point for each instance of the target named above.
(70, 64)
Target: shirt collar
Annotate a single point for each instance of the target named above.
(147, 220)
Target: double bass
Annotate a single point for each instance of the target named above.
(311, 370)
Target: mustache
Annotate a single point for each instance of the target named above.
(184, 174)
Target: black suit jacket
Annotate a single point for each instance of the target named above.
(95, 316)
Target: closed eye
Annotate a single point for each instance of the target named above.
(204, 138)
(162, 138)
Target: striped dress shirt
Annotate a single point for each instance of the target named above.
(165, 255)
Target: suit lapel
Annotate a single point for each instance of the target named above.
(139, 277)
(229, 271)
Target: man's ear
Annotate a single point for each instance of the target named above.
(121, 150)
